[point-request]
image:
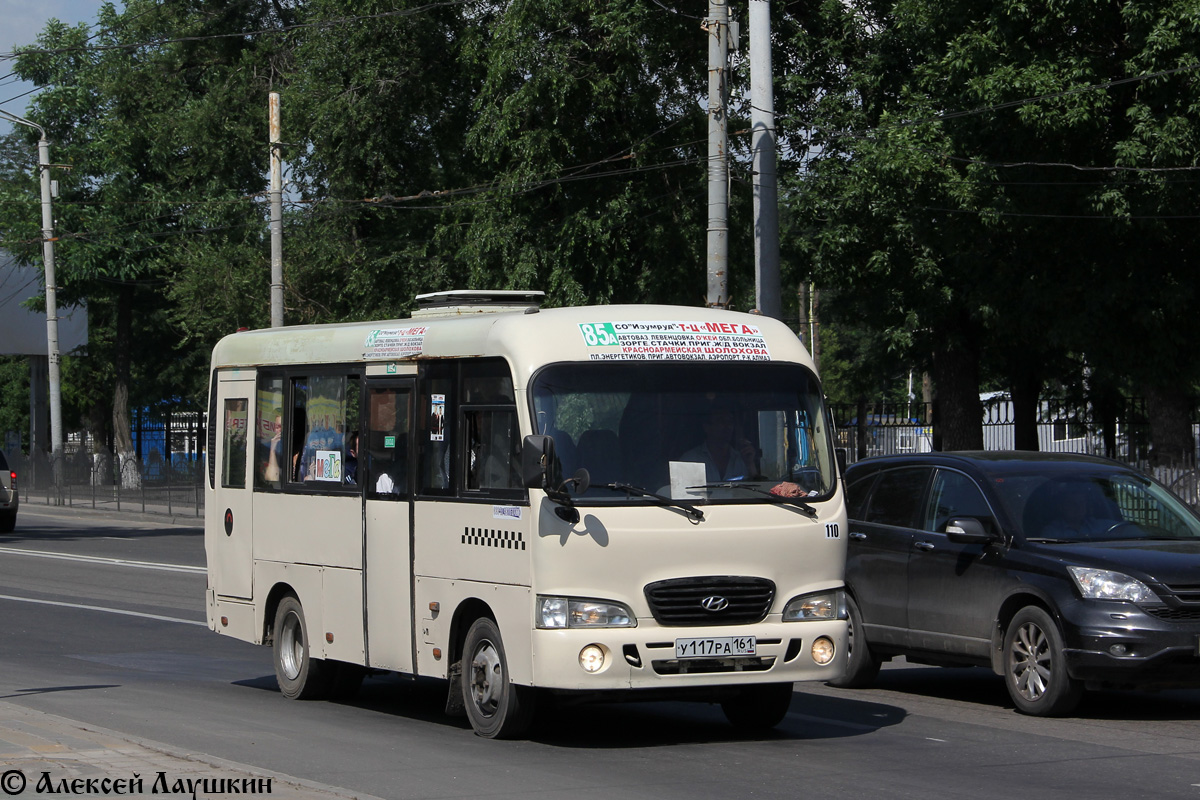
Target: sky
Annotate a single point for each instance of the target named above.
(20, 23)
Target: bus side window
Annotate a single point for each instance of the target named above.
(436, 433)
(233, 462)
(270, 461)
(489, 421)
(383, 447)
(492, 453)
(325, 414)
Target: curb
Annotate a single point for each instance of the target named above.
(79, 512)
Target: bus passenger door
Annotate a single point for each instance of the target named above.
(229, 534)
(384, 469)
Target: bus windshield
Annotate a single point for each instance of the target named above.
(701, 432)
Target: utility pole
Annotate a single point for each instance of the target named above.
(717, 26)
(276, 216)
(53, 357)
(766, 182)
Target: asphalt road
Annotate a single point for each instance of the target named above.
(103, 622)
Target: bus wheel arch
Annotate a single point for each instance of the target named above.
(277, 593)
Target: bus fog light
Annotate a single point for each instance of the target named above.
(823, 650)
(591, 658)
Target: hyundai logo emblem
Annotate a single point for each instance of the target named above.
(714, 603)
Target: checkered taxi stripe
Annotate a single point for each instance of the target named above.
(486, 537)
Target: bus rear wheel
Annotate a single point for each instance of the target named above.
(300, 676)
(497, 708)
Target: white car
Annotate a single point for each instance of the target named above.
(9, 500)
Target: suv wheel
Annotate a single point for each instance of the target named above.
(1035, 670)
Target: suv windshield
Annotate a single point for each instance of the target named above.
(678, 429)
(1094, 505)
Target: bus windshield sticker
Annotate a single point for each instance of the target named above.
(674, 341)
(395, 342)
(328, 466)
(437, 422)
(506, 512)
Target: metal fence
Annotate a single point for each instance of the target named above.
(873, 429)
(897, 428)
(163, 475)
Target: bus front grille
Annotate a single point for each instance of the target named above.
(712, 600)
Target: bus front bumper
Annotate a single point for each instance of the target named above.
(654, 657)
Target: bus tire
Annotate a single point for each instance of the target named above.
(300, 676)
(758, 707)
(496, 708)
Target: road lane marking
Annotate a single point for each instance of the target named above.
(118, 562)
(101, 608)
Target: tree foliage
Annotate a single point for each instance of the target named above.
(999, 184)
(996, 189)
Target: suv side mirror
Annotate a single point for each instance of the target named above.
(968, 530)
(538, 462)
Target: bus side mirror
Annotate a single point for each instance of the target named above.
(538, 462)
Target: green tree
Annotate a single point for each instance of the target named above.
(991, 185)
(158, 113)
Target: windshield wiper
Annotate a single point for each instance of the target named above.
(694, 514)
(778, 498)
(1047, 540)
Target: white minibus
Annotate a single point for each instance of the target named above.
(609, 502)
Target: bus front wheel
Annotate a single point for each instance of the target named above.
(758, 707)
(300, 676)
(496, 707)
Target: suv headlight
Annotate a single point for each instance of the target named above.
(1104, 584)
(819, 605)
(576, 612)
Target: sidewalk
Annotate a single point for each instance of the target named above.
(180, 507)
(43, 754)
(157, 515)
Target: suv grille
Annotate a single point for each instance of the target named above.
(681, 601)
(1175, 614)
(1186, 593)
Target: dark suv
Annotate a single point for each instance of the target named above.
(1059, 572)
(9, 500)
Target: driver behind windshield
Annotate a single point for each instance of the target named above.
(1073, 514)
(725, 457)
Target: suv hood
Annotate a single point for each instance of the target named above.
(1171, 562)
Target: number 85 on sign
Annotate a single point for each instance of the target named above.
(598, 334)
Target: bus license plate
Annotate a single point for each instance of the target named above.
(716, 647)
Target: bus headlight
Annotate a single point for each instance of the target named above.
(575, 612)
(819, 605)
